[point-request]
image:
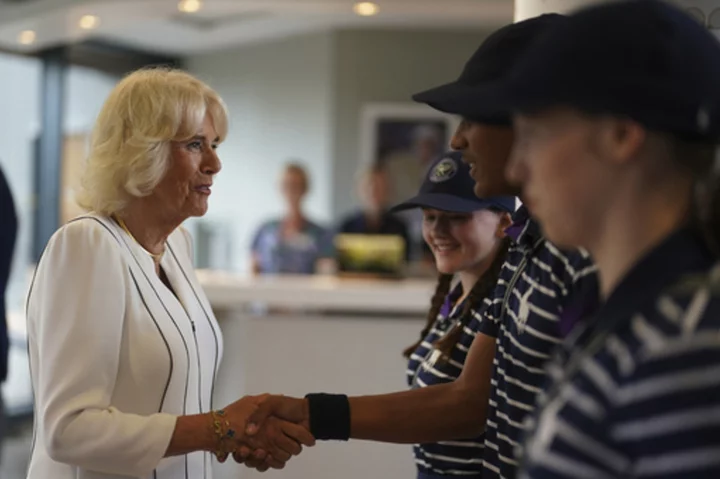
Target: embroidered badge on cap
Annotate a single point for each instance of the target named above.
(443, 171)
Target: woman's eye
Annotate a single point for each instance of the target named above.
(194, 145)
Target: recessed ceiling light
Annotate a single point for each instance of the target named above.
(88, 22)
(26, 37)
(189, 6)
(366, 9)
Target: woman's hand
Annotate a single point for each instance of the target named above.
(273, 444)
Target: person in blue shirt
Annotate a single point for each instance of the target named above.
(8, 235)
(292, 244)
(374, 217)
(617, 123)
(466, 236)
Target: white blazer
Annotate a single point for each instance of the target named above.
(115, 356)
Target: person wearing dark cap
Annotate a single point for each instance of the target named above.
(618, 121)
(466, 235)
(541, 290)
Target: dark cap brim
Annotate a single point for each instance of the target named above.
(445, 202)
(476, 102)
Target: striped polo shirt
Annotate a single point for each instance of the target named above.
(453, 458)
(538, 285)
(635, 390)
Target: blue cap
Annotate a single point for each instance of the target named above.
(473, 95)
(449, 187)
(642, 59)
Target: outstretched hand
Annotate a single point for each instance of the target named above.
(275, 431)
(288, 408)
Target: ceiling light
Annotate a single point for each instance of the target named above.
(88, 22)
(366, 9)
(189, 6)
(26, 37)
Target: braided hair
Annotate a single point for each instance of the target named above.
(480, 290)
(441, 291)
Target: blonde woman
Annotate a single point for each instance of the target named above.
(124, 347)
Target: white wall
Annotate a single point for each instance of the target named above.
(301, 98)
(279, 96)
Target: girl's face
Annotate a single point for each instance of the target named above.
(462, 241)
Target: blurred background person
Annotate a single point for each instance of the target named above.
(8, 233)
(292, 244)
(374, 190)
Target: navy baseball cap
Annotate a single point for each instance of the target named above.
(449, 187)
(473, 95)
(644, 60)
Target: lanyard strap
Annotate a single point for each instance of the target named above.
(516, 276)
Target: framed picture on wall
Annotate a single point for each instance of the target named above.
(404, 138)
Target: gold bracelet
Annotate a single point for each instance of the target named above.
(224, 432)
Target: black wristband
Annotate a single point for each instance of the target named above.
(329, 416)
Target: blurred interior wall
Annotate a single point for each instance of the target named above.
(300, 98)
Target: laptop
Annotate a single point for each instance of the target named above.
(366, 255)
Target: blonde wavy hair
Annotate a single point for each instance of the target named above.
(131, 139)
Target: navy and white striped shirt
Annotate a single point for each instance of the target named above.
(538, 291)
(644, 401)
(453, 458)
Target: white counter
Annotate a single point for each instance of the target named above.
(297, 353)
(228, 291)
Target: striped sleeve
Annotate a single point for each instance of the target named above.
(668, 411)
(660, 420)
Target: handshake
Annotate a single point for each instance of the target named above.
(266, 431)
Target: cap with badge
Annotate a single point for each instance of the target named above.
(449, 187)
(644, 59)
(473, 95)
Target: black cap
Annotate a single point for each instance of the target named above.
(473, 94)
(642, 59)
(449, 187)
